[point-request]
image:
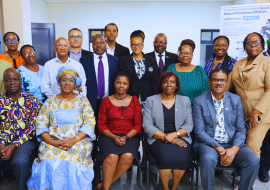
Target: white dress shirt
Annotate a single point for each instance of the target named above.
(158, 58)
(106, 71)
(109, 51)
(49, 84)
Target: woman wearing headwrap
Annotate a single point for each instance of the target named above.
(142, 69)
(65, 129)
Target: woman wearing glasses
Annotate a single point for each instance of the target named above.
(221, 58)
(142, 69)
(12, 54)
(193, 79)
(31, 72)
(251, 79)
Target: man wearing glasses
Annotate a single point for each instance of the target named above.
(75, 38)
(48, 83)
(163, 58)
(219, 126)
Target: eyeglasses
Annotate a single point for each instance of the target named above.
(31, 53)
(135, 45)
(160, 42)
(61, 45)
(98, 43)
(258, 42)
(222, 81)
(185, 54)
(12, 80)
(64, 80)
(13, 40)
(76, 37)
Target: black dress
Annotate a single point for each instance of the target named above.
(170, 156)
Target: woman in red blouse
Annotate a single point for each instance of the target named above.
(119, 124)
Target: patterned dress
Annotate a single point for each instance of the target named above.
(58, 169)
(228, 66)
(192, 84)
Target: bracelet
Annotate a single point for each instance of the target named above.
(78, 138)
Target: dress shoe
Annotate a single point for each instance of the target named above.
(263, 176)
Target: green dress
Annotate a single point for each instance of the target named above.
(192, 84)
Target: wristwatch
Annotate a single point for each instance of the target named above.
(177, 133)
(127, 137)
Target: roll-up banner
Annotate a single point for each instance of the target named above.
(236, 22)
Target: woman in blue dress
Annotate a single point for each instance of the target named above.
(193, 80)
(221, 58)
(65, 129)
(31, 72)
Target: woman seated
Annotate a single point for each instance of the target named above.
(167, 120)
(119, 123)
(65, 127)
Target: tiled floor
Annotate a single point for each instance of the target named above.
(128, 182)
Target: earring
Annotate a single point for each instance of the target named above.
(176, 87)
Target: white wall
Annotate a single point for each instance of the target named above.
(39, 11)
(178, 20)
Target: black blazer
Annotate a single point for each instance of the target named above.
(120, 51)
(147, 85)
(170, 58)
(91, 82)
(84, 53)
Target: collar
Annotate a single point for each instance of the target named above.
(157, 54)
(97, 56)
(23, 94)
(58, 60)
(79, 52)
(110, 48)
(213, 97)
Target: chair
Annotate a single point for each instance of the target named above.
(98, 164)
(233, 167)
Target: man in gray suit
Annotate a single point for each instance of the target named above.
(219, 126)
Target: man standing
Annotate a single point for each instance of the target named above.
(219, 126)
(75, 38)
(100, 69)
(113, 48)
(18, 112)
(163, 58)
(48, 83)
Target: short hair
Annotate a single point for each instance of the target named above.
(217, 70)
(24, 46)
(187, 42)
(225, 37)
(121, 72)
(262, 39)
(75, 29)
(167, 75)
(137, 33)
(4, 37)
(113, 25)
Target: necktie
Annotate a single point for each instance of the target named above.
(101, 82)
(161, 66)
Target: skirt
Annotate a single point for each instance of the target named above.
(170, 156)
(107, 146)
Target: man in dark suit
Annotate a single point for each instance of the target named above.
(75, 38)
(113, 48)
(219, 126)
(99, 69)
(163, 58)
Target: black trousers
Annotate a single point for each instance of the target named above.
(265, 153)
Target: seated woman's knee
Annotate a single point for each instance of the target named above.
(111, 159)
(128, 158)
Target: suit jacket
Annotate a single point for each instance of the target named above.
(204, 119)
(153, 116)
(254, 86)
(83, 53)
(146, 86)
(120, 51)
(91, 82)
(170, 58)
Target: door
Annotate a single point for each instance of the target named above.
(43, 40)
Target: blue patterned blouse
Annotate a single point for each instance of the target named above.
(228, 67)
(192, 84)
(31, 82)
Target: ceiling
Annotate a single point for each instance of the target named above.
(79, 1)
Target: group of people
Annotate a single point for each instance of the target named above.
(81, 102)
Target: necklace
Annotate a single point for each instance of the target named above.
(120, 98)
(218, 61)
(11, 55)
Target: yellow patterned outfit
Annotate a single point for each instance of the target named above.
(58, 169)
